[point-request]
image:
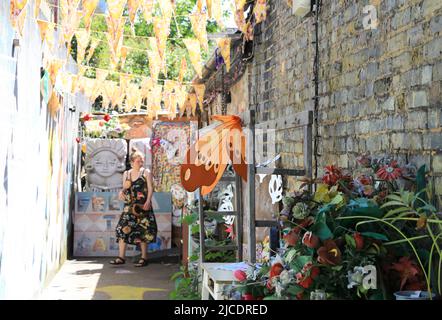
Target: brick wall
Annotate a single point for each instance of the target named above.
(380, 88)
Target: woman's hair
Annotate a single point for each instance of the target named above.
(135, 153)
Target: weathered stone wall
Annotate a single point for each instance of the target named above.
(380, 89)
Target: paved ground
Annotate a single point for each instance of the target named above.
(96, 279)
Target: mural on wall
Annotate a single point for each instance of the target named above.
(97, 215)
(36, 164)
(105, 164)
(140, 126)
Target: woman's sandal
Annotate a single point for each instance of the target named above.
(117, 261)
(141, 263)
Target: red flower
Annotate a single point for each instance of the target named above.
(101, 123)
(307, 282)
(276, 270)
(291, 238)
(87, 117)
(310, 240)
(390, 172)
(240, 275)
(365, 180)
(329, 253)
(106, 117)
(407, 269)
(77, 139)
(332, 175)
(359, 240)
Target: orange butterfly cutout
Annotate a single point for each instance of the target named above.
(207, 159)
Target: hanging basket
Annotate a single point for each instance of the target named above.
(301, 7)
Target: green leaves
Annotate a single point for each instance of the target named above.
(321, 229)
(375, 235)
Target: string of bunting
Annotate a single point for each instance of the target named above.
(172, 93)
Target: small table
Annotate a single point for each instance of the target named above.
(214, 280)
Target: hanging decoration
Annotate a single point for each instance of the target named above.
(239, 15)
(37, 4)
(260, 11)
(115, 39)
(53, 104)
(183, 69)
(217, 12)
(147, 8)
(89, 7)
(199, 5)
(92, 47)
(82, 36)
(124, 51)
(154, 59)
(199, 90)
(275, 188)
(207, 159)
(199, 22)
(161, 28)
(224, 46)
(133, 6)
(166, 7)
(193, 47)
(17, 8)
(43, 28)
(191, 98)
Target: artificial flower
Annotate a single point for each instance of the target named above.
(390, 172)
(329, 254)
(359, 240)
(310, 240)
(240, 275)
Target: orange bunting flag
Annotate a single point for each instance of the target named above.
(92, 47)
(116, 8)
(133, 97)
(200, 90)
(183, 69)
(199, 5)
(16, 8)
(216, 11)
(224, 46)
(289, 3)
(89, 7)
(146, 88)
(43, 27)
(82, 36)
(169, 95)
(154, 65)
(161, 28)
(147, 6)
(133, 6)
(54, 68)
(124, 51)
(166, 7)
(181, 96)
(49, 36)
(74, 83)
(260, 11)
(53, 104)
(37, 4)
(207, 159)
(125, 80)
(199, 22)
(239, 15)
(193, 46)
(70, 19)
(21, 21)
(191, 101)
(209, 8)
(115, 39)
(156, 99)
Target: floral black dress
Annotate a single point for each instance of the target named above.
(133, 229)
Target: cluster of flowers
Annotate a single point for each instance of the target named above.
(339, 239)
(106, 127)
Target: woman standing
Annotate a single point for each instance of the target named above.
(137, 224)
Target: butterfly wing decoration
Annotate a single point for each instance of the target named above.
(207, 159)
